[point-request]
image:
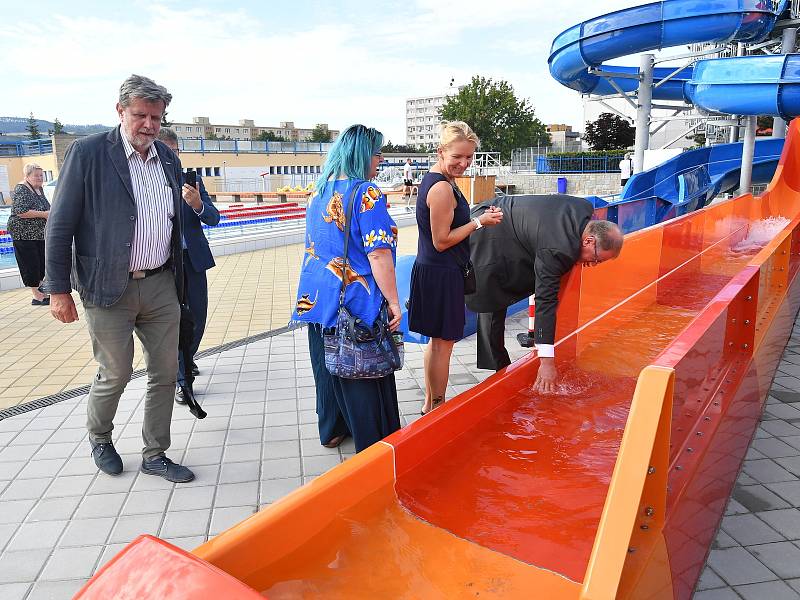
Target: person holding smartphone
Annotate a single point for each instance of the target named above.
(198, 209)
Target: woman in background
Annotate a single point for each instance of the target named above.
(29, 212)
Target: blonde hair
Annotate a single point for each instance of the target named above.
(30, 168)
(457, 131)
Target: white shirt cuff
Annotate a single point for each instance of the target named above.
(546, 350)
(202, 208)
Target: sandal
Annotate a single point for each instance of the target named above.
(335, 442)
(437, 402)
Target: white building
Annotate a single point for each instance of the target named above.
(422, 119)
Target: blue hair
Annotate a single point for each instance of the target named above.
(350, 155)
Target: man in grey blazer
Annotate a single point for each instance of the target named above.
(540, 239)
(118, 202)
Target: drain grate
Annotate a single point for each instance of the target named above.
(74, 393)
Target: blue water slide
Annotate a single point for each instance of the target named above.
(654, 26)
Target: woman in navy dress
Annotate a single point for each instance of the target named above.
(436, 303)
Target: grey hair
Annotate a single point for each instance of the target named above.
(607, 235)
(165, 134)
(30, 168)
(138, 86)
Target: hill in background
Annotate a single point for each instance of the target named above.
(15, 126)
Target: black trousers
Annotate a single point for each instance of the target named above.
(367, 408)
(492, 353)
(197, 298)
(30, 260)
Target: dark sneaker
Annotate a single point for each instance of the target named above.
(195, 370)
(179, 399)
(164, 467)
(106, 458)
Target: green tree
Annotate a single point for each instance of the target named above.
(268, 136)
(164, 122)
(58, 127)
(501, 120)
(764, 125)
(390, 148)
(320, 133)
(609, 132)
(33, 128)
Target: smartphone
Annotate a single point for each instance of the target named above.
(190, 178)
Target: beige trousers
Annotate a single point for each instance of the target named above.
(149, 307)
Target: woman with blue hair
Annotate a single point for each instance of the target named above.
(364, 408)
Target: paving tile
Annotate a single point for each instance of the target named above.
(224, 518)
(767, 471)
(783, 558)
(284, 449)
(709, 580)
(87, 532)
(191, 498)
(109, 552)
(129, 527)
(32, 536)
(757, 498)
(242, 453)
(770, 590)
(209, 455)
(100, 505)
(774, 448)
(280, 468)
(790, 463)
(237, 494)
(150, 501)
(239, 472)
(19, 452)
(788, 490)
(106, 484)
(55, 590)
(15, 511)
(717, 594)
(23, 489)
(14, 591)
(186, 523)
(787, 521)
(316, 465)
(53, 509)
(16, 567)
(71, 485)
(275, 489)
(68, 563)
(738, 567)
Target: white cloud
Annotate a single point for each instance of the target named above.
(350, 66)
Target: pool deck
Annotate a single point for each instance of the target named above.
(61, 520)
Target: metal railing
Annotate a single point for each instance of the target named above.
(26, 148)
(250, 147)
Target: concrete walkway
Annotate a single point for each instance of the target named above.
(61, 520)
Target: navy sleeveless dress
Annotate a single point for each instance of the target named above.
(436, 301)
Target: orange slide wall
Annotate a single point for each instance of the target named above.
(613, 488)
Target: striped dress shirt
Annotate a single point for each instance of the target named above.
(152, 232)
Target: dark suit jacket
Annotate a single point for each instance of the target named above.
(537, 242)
(94, 208)
(196, 242)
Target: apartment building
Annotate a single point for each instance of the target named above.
(246, 129)
(422, 119)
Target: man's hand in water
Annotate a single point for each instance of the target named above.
(546, 377)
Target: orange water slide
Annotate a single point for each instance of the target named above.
(612, 488)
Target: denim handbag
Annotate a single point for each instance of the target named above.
(354, 350)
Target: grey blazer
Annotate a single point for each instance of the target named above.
(537, 242)
(94, 212)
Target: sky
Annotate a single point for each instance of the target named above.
(335, 62)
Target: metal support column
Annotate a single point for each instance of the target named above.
(733, 132)
(644, 107)
(788, 42)
(748, 149)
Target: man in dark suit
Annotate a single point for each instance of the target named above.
(539, 240)
(118, 202)
(197, 258)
